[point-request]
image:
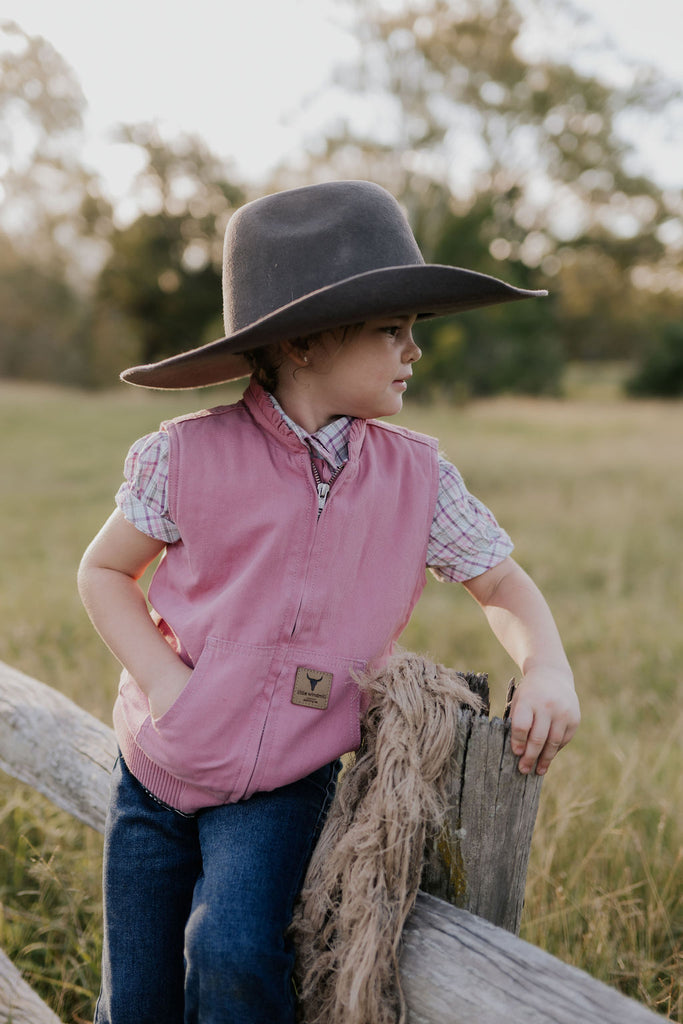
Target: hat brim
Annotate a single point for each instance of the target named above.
(428, 290)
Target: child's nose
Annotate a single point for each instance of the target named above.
(412, 351)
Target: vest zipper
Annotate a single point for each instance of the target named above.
(323, 489)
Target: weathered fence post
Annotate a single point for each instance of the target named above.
(19, 1004)
(53, 745)
(459, 969)
(479, 861)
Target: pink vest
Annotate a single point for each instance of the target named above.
(274, 606)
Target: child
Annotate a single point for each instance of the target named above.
(295, 530)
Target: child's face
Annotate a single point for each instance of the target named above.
(365, 375)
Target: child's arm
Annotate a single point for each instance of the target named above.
(545, 709)
(107, 581)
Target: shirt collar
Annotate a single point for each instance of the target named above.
(330, 443)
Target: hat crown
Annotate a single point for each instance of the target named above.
(288, 245)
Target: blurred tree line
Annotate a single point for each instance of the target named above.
(506, 163)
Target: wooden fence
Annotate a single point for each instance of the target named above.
(457, 966)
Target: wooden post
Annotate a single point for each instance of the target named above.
(479, 862)
(53, 745)
(459, 969)
(19, 1004)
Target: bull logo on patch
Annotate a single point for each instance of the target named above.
(312, 688)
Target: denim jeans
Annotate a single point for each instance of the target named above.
(196, 907)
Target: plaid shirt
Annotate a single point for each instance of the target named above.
(465, 539)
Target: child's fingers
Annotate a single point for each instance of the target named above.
(525, 734)
(558, 737)
(541, 723)
(545, 739)
(537, 739)
(521, 721)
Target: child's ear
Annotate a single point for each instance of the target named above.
(299, 354)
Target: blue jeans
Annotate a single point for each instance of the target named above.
(197, 907)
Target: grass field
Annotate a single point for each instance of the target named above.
(590, 488)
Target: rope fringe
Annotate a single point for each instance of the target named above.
(365, 872)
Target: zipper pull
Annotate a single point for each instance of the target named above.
(323, 491)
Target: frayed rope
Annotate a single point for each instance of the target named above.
(364, 875)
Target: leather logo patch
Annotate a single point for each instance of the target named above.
(312, 688)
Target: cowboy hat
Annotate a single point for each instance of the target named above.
(313, 258)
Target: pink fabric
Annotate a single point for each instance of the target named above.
(465, 539)
(260, 587)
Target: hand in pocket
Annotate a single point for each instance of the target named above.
(166, 691)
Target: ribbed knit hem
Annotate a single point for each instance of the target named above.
(174, 792)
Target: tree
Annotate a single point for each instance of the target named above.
(82, 297)
(43, 192)
(161, 286)
(40, 320)
(514, 165)
(45, 186)
(660, 372)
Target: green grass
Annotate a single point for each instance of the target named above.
(591, 489)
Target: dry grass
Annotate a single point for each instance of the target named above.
(592, 492)
(593, 495)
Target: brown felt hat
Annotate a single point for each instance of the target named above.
(314, 258)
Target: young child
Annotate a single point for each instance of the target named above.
(296, 529)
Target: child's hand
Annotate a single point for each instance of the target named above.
(544, 717)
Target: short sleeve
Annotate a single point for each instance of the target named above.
(465, 539)
(143, 496)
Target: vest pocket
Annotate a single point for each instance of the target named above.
(205, 736)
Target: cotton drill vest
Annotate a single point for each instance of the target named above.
(273, 605)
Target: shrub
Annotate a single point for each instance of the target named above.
(661, 370)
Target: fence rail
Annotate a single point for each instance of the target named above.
(456, 967)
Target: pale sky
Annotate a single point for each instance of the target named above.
(238, 72)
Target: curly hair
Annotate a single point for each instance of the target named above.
(265, 362)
